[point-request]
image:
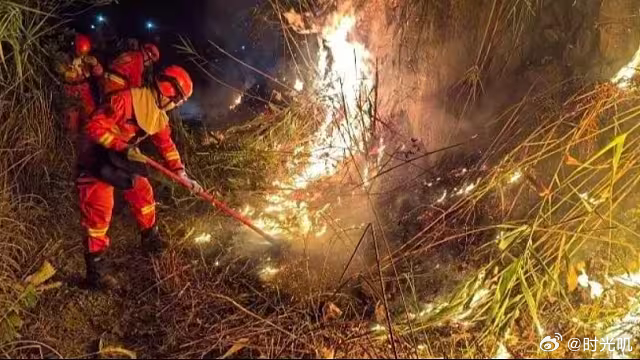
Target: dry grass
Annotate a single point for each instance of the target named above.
(32, 167)
(568, 206)
(526, 236)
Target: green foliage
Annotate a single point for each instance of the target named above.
(12, 318)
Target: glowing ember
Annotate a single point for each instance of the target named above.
(515, 177)
(268, 272)
(299, 86)
(502, 352)
(623, 79)
(583, 279)
(322, 231)
(248, 211)
(236, 102)
(596, 289)
(203, 238)
(380, 150)
(469, 188)
(593, 201)
(478, 297)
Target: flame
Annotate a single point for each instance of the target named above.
(236, 102)
(203, 238)
(345, 77)
(625, 76)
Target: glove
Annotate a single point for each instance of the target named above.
(193, 185)
(134, 154)
(91, 60)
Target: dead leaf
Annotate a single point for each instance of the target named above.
(109, 351)
(43, 274)
(570, 160)
(572, 278)
(237, 346)
(51, 286)
(327, 353)
(331, 312)
(545, 192)
(381, 313)
(301, 23)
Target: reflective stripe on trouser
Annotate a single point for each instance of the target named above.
(96, 205)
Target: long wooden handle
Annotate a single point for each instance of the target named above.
(212, 200)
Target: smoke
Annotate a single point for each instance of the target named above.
(233, 26)
(417, 68)
(426, 96)
(442, 82)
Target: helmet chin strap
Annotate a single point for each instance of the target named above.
(163, 103)
(146, 58)
(169, 106)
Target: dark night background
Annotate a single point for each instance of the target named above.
(231, 24)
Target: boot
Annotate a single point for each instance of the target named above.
(152, 242)
(96, 278)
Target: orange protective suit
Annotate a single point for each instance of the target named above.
(125, 72)
(79, 99)
(129, 116)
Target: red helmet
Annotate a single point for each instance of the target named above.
(151, 52)
(175, 83)
(83, 44)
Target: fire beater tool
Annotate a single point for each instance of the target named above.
(212, 200)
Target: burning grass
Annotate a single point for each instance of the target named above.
(545, 197)
(537, 234)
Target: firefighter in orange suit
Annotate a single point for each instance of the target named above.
(111, 159)
(76, 74)
(127, 70)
